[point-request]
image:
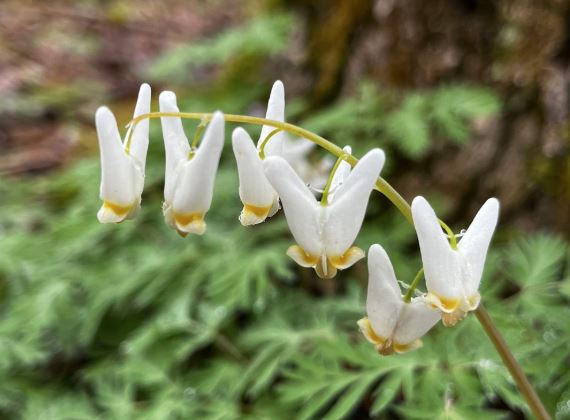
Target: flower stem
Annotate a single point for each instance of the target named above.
(325, 196)
(387, 190)
(413, 286)
(265, 141)
(509, 360)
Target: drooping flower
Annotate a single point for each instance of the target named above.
(453, 275)
(122, 164)
(325, 233)
(259, 198)
(190, 174)
(392, 325)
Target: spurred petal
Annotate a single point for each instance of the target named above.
(475, 243)
(195, 185)
(300, 206)
(347, 211)
(117, 172)
(442, 264)
(255, 191)
(416, 319)
(139, 140)
(384, 299)
(175, 142)
(276, 112)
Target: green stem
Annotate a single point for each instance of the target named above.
(385, 188)
(265, 141)
(325, 196)
(381, 184)
(509, 360)
(452, 237)
(413, 286)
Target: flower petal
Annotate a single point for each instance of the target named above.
(276, 112)
(117, 171)
(195, 185)
(384, 299)
(175, 142)
(442, 265)
(346, 212)
(139, 140)
(416, 319)
(255, 191)
(300, 206)
(475, 243)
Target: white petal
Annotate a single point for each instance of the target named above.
(384, 299)
(194, 189)
(296, 150)
(139, 140)
(300, 206)
(175, 142)
(442, 264)
(347, 211)
(254, 188)
(340, 175)
(416, 319)
(117, 171)
(276, 112)
(475, 243)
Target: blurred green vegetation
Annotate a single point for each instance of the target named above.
(134, 322)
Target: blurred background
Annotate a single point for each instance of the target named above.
(469, 99)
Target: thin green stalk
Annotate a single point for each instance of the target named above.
(385, 188)
(265, 141)
(325, 196)
(413, 286)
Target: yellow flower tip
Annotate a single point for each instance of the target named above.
(253, 215)
(115, 213)
(349, 258)
(189, 223)
(301, 257)
(325, 269)
(452, 318)
(385, 346)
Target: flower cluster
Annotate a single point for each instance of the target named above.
(276, 171)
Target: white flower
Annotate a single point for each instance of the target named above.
(122, 170)
(453, 275)
(259, 198)
(324, 234)
(393, 325)
(190, 175)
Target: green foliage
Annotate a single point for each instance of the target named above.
(406, 123)
(264, 35)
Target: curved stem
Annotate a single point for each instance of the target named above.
(265, 141)
(413, 286)
(325, 196)
(385, 188)
(509, 360)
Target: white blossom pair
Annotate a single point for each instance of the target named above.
(190, 174)
(452, 278)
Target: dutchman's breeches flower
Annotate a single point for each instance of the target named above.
(323, 231)
(453, 272)
(122, 164)
(393, 325)
(259, 199)
(190, 174)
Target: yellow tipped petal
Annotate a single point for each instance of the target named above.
(298, 254)
(347, 259)
(366, 330)
(253, 215)
(190, 223)
(325, 269)
(404, 348)
(115, 213)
